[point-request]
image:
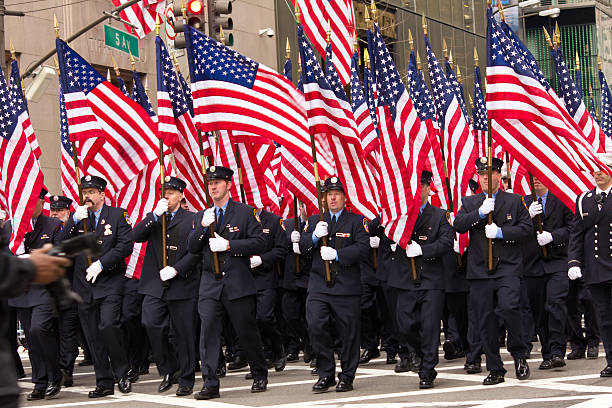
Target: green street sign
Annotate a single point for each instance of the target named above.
(121, 40)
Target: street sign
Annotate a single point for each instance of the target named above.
(170, 18)
(121, 40)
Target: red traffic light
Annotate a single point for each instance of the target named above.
(195, 7)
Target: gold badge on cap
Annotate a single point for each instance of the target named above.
(87, 178)
(212, 169)
(334, 180)
(167, 179)
(55, 198)
(483, 160)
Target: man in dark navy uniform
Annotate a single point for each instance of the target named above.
(545, 276)
(347, 245)
(590, 251)
(238, 235)
(499, 288)
(170, 292)
(101, 284)
(419, 293)
(36, 311)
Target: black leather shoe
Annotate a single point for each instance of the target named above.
(493, 378)
(207, 393)
(323, 384)
(100, 392)
(592, 351)
(269, 363)
(522, 369)
(472, 368)
(606, 372)
(368, 355)
(416, 362)
(344, 386)
(391, 357)
(558, 361)
(144, 370)
(292, 358)
(307, 355)
(125, 385)
(67, 379)
(36, 394)
(221, 371)
(53, 389)
(279, 364)
(403, 366)
(260, 385)
(425, 383)
(85, 362)
(166, 383)
(248, 376)
(450, 350)
(132, 374)
(575, 354)
(237, 363)
(546, 364)
(184, 390)
(314, 371)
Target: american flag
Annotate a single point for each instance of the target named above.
(21, 178)
(572, 96)
(316, 15)
(369, 93)
(139, 95)
(20, 102)
(593, 109)
(454, 82)
(177, 129)
(141, 15)
(351, 167)
(122, 86)
(479, 115)
(267, 159)
(530, 125)
(423, 103)
(404, 147)
(233, 92)
(460, 149)
(606, 107)
(70, 188)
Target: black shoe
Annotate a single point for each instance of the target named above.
(313, 362)
(521, 368)
(606, 372)
(391, 357)
(472, 368)
(260, 385)
(344, 386)
(125, 385)
(450, 349)
(237, 363)
(292, 358)
(207, 393)
(133, 375)
(575, 354)
(307, 355)
(166, 383)
(314, 371)
(592, 351)
(53, 389)
(100, 392)
(403, 366)
(368, 355)
(558, 361)
(184, 390)
(144, 370)
(67, 379)
(269, 363)
(547, 364)
(248, 376)
(36, 394)
(85, 362)
(493, 378)
(323, 384)
(425, 383)
(280, 363)
(416, 362)
(221, 371)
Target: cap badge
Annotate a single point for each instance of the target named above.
(55, 198)
(334, 180)
(483, 160)
(212, 169)
(167, 179)
(87, 178)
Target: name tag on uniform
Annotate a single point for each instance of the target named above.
(172, 247)
(508, 216)
(44, 236)
(343, 234)
(422, 237)
(234, 229)
(266, 230)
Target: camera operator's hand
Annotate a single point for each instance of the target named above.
(48, 268)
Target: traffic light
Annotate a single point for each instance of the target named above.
(195, 18)
(218, 16)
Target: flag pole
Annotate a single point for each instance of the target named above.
(240, 180)
(538, 217)
(366, 63)
(328, 277)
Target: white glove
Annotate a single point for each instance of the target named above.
(296, 248)
(321, 229)
(218, 243)
(393, 247)
(167, 273)
(509, 190)
(487, 206)
(374, 242)
(80, 213)
(208, 217)
(574, 273)
(491, 230)
(328, 253)
(93, 271)
(544, 238)
(2, 215)
(456, 246)
(21, 249)
(295, 236)
(413, 249)
(255, 261)
(451, 218)
(161, 207)
(535, 208)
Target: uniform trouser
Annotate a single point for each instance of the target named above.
(346, 314)
(136, 339)
(68, 327)
(527, 315)
(40, 327)
(391, 303)
(418, 314)
(579, 302)
(157, 316)
(504, 294)
(370, 322)
(266, 320)
(101, 323)
(294, 312)
(475, 349)
(12, 339)
(241, 313)
(457, 327)
(602, 298)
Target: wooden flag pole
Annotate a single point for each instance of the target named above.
(298, 272)
(490, 193)
(538, 217)
(240, 179)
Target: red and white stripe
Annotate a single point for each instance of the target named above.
(142, 15)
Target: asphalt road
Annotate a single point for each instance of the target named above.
(377, 385)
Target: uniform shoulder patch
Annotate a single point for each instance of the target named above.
(365, 225)
(282, 224)
(524, 205)
(255, 215)
(306, 226)
(448, 218)
(127, 217)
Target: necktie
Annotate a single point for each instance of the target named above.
(542, 204)
(603, 197)
(170, 217)
(333, 221)
(92, 220)
(220, 219)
